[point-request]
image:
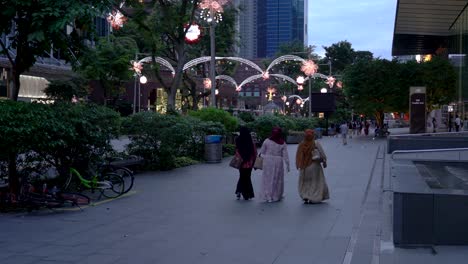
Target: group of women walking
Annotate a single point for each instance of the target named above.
(310, 161)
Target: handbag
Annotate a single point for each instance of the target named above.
(236, 162)
(258, 163)
(316, 155)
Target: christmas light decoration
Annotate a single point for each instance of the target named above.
(193, 34)
(309, 67)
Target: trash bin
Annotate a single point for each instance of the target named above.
(213, 148)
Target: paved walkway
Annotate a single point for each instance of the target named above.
(190, 215)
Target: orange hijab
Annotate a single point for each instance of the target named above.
(304, 150)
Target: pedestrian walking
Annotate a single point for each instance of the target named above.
(274, 152)
(457, 123)
(245, 148)
(434, 124)
(312, 185)
(366, 128)
(344, 132)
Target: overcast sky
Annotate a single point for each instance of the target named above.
(366, 24)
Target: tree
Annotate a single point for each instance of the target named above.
(440, 80)
(34, 28)
(341, 55)
(375, 87)
(65, 90)
(109, 63)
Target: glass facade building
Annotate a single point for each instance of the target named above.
(458, 50)
(278, 22)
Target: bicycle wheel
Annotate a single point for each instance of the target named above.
(127, 176)
(77, 199)
(112, 185)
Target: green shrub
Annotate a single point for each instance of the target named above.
(216, 115)
(158, 138)
(246, 116)
(180, 162)
(264, 124)
(303, 123)
(229, 150)
(57, 135)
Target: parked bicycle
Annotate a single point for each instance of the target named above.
(32, 196)
(110, 185)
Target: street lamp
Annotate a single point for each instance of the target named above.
(212, 13)
(309, 68)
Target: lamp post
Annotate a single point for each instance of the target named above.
(309, 68)
(213, 61)
(212, 13)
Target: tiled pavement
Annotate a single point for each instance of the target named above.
(190, 215)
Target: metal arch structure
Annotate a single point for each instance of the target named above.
(249, 79)
(285, 77)
(298, 97)
(284, 58)
(208, 58)
(160, 61)
(258, 76)
(227, 78)
(315, 75)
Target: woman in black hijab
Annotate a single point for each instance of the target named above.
(245, 148)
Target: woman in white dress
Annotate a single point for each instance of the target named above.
(274, 152)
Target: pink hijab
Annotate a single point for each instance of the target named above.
(277, 136)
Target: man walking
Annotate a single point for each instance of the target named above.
(457, 123)
(344, 132)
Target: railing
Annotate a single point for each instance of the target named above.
(460, 133)
(453, 154)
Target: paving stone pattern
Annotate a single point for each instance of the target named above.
(190, 215)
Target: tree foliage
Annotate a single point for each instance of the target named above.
(35, 27)
(378, 86)
(374, 87)
(109, 63)
(64, 90)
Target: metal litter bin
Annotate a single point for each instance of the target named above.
(213, 148)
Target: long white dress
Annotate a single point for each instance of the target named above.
(273, 155)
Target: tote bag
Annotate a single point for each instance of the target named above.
(258, 163)
(236, 162)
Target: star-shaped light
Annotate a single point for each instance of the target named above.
(266, 75)
(207, 83)
(137, 67)
(238, 89)
(215, 5)
(339, 84)
(309, 67)
(330, 81)
(116, 19)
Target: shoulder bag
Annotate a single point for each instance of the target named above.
(236, 162)
(258, 163)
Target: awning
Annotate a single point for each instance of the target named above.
(423, 26)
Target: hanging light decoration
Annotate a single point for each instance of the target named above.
(330, 81)
(193, 34)
(339, 84)
(116, 19)
(284, 98)
(212, 10)
(265, 75)
(298, 101)
(207, 83)
(136, 66)
(309, 67)
(300, 82)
